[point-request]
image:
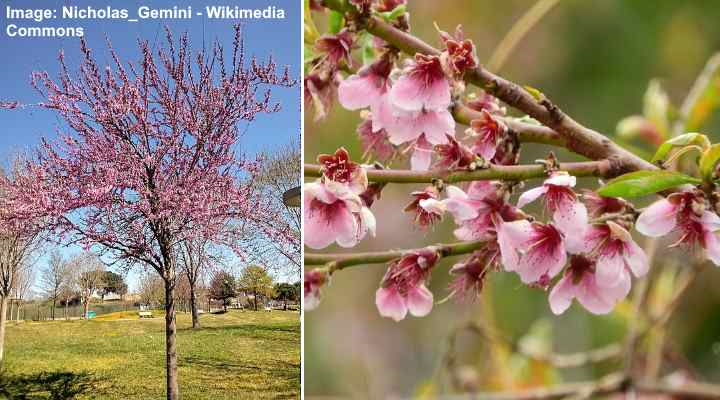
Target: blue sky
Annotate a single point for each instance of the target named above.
(22, 129)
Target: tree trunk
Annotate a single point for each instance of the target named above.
(173, 392)
(3, 318)
(12, 305)
(194, 307)
(53, 309)
(255, 300)
(86, 307)
(65, 310)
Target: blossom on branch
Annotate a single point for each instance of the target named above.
(487, 131)
(470, 274)
(403, 288)
(581, 282)
(427, 208)
(686, 215)
(568, 213)
(535, 251)
(422, 86)
(313, 281)
(615, 252)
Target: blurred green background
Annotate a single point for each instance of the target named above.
(592, 58)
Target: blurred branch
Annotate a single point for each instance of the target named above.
(601, 168)
(580, 139)
(703, 81)
(518, 31)
(610, 384)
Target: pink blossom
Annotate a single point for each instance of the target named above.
(319, 92)
(480, 209)
(422, 154)
(569, 215)
(334, 213)
(533, 250)
(580, 282)
(615, 251)
(313, 281)
(470, 274)
(375, 142)
(427, 208)
(459, 54)
(365, 88)
(488, 131)
(485, 102)
(686, 215)
(408, 126)
(339, 168)
(422, 86)
(336, 49)
(404, 287)
(453, 155)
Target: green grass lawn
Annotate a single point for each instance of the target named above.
(238, 355)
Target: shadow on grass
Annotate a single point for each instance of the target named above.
(59, 385)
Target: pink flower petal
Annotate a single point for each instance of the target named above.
(658, 219)
(636, 259)
(419, 301)
(571, 218)
(510, 235)
(411, 94)
(534, 264)
(383, 116)
(712, 247)
(561, 179)
(531, 195)
(421, 157)
(390, 303)
(609, 270)
(459, 205)
(561, 295)
(358, 92)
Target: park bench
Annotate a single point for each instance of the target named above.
(145, 314)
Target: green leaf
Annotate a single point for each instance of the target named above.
(692, 138)
(708, 162)
(640, 183)
(336, 21)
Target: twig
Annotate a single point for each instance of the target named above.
(340, 261)
(501, 172)
(518, 31)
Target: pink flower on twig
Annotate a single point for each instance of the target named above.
(403, 289)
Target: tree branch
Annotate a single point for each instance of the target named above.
(602, 169)
(341, 261)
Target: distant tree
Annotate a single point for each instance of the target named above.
(53, 277)
(256, 280)
(88, 273)
(276, 236)
(222, 287)
(151, 289)
(111, 282)
(194, 258)
(285, 292)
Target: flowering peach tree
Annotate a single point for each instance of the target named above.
(151, 159)
(436, 116)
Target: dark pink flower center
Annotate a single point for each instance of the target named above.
(427, 70)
